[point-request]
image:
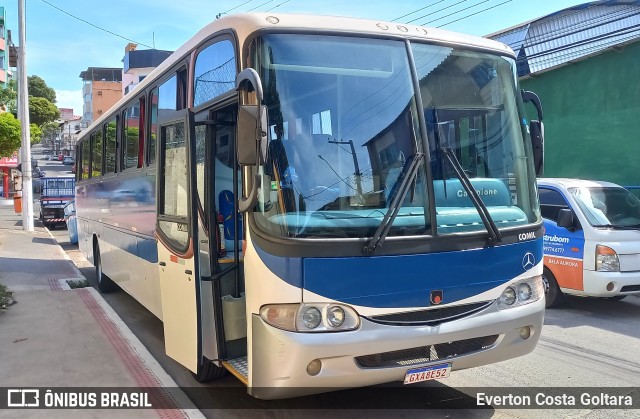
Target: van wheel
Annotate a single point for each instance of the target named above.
(208, 371)
(552, 292)
(105, 284)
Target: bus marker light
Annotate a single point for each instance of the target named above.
(314, 367)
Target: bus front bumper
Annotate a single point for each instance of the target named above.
(279, 358)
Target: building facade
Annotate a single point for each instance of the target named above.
(4, 49)
(102, 88)
(583, 63)
(138, 64)
(70, 129)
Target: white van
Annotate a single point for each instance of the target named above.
(592, 239)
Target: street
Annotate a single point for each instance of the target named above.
(585, 343)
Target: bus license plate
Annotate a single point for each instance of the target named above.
(432, 372)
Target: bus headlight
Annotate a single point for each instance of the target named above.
(606, 259)
(311, 317)
(335, 316)
(508, 296)
(519, 293)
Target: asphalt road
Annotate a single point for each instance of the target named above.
(587, 342)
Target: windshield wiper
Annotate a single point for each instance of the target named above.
(618, 227)
(444, 149)
(494, 233)
(398, 193)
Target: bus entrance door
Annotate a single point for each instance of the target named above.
(177, 238)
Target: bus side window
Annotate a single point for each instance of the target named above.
(153, 127)
(215, 71)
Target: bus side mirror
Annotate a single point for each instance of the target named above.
(566, 219)
(252, 134)
(252, 121)
(536, 131)
(252, 139)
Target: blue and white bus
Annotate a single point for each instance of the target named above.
(318, 202)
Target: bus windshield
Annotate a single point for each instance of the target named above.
(344, 126)
(608, 206)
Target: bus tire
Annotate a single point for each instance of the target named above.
(552, 292)
(208, 371)
(105, 284)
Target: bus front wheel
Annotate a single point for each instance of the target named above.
(552, 292)
(105, 284)
(208, 371)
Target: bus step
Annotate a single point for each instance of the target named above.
(239, 368)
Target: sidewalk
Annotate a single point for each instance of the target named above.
(58, 337)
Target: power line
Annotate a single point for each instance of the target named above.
(593, 49)
(416, 11)
(96, 26)
(586, 24)
(476, 13)
(266, 2)
(454, 13)
(274, 7)
(437, 11)
(599, 38)
(562, 16)
(234, 8)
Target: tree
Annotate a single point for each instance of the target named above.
(9, 97)
(38, 88)
(41, 110)
(35, 133)
(9, 134)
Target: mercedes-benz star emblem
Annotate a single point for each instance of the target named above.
(528, 261)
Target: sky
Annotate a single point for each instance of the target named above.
(60, 46)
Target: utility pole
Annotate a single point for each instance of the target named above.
(23, 114)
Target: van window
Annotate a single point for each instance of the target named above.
(608, 206)
(551, 202)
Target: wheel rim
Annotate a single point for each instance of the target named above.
(545, 283)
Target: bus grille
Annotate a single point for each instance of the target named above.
(422, 354)
(431, 317)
